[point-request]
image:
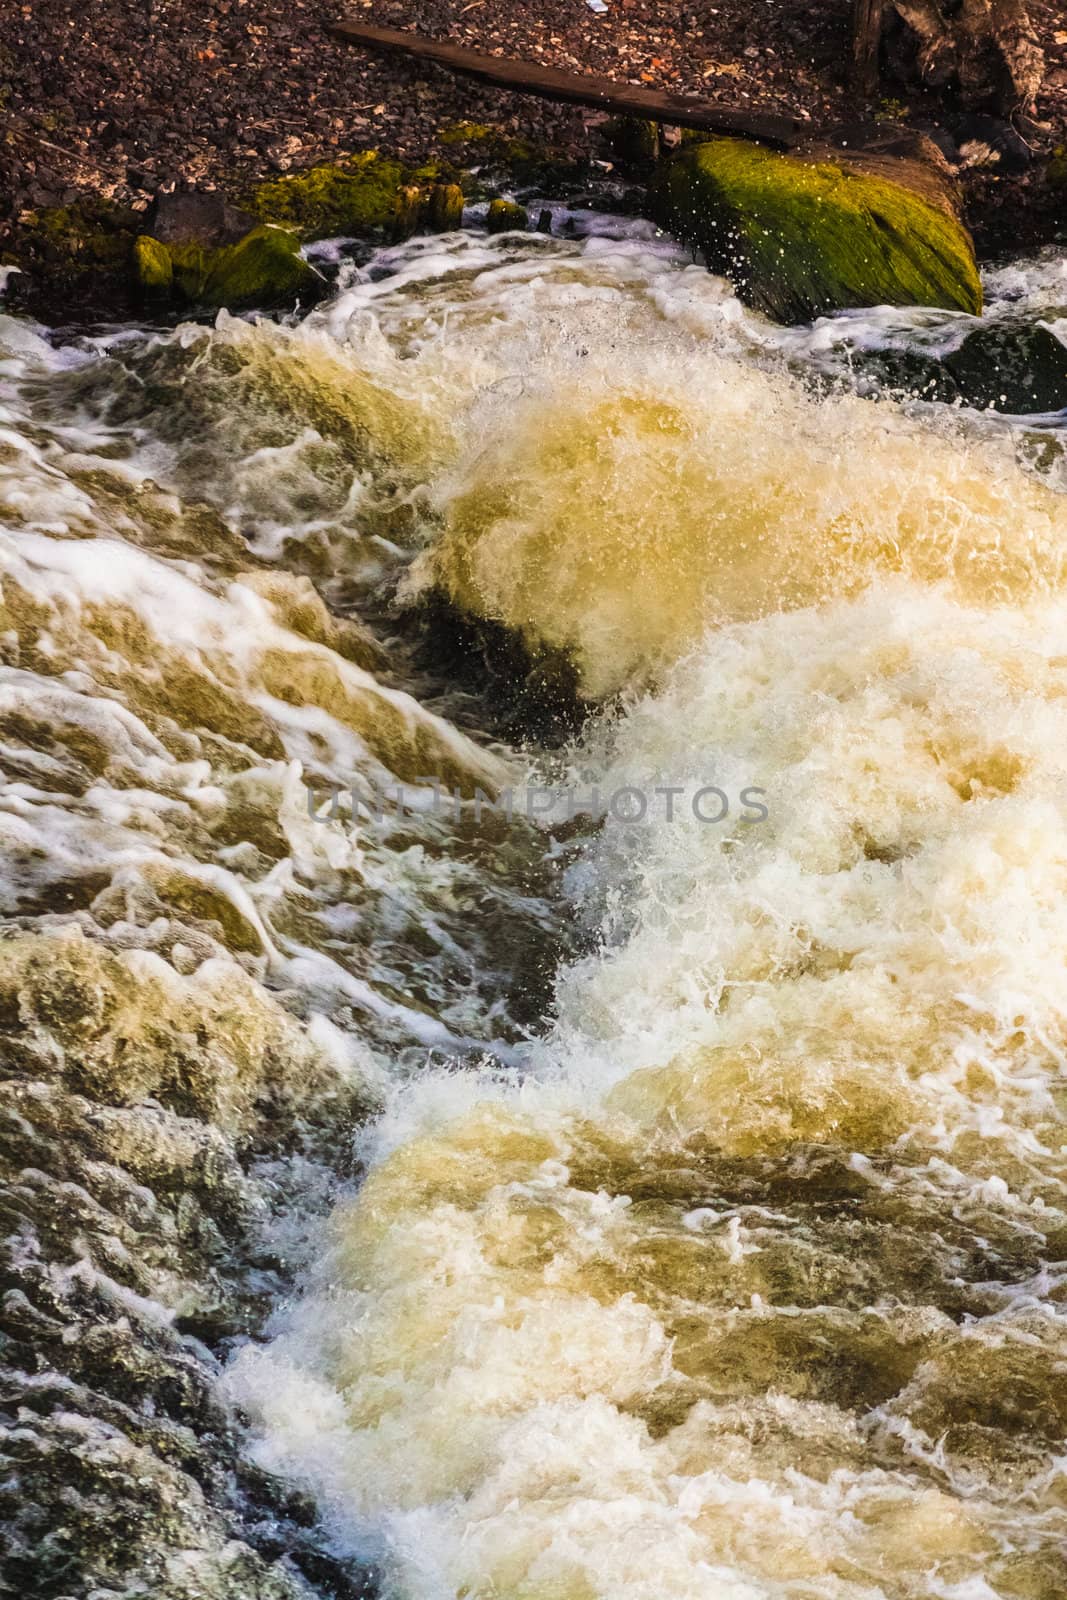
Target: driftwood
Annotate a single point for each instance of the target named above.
(866, 40)
(985, 50)
(577, 88)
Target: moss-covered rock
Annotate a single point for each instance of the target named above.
(363, 194)
(802, 236)
(264, 268)
(407, 205)
(504, 216)
(501, 157)
(633, 141)
(152, 266)
(467, 132)
(74, 259)
(445, 210)
(356, 195)
(88, 235)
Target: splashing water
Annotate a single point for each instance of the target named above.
(729, 1265)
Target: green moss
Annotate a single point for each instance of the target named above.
(802, 238)
(74, 255)
(505, 158)
(190, 264)
(445, 209)
(407, 205)
(505, 215)
(466, 132)
(176, 269)
(91, 232)
(430, 172)
(353, 196)
(262, 269)
(152, 265)
(1057, 168)
(633, 141)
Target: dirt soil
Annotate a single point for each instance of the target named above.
(120, 98)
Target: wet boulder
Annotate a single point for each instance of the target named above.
(822, 229)
(1014, 367)
(504, 216)
(152, 266)
(355, 195)
(445, 207)
(1017, 368)
(264, 268)
(197, 216)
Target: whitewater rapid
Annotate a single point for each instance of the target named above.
(709, 1228)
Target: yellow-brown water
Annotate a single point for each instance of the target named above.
(731, 1266)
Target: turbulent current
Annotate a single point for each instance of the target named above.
(414, 1190)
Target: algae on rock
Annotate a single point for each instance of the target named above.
(504, 216)
(634, 142)
(502, 156)
(152, 265)
(352, 196)
(445, 209)
(74, 254)
(263, 268)
(802, 236)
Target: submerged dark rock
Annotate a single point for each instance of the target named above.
(133, 1251)
(1014, 367)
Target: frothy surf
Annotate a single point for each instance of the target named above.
(739, 1274)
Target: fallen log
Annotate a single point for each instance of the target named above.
(578, 88)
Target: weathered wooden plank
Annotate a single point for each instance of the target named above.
(549, 83)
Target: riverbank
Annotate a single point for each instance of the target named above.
(108, 111)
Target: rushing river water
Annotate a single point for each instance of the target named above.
(423, 1200)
